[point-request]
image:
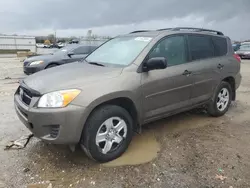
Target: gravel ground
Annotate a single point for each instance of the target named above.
(195, 150)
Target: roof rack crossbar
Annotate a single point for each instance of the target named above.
(139, 31)
(164, 29)
(199, 29)
(182, 28)
(192, 28)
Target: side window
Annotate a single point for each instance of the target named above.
(81, 50)
(92, 48)
(200, 47)
(172, 48)
(220, 45)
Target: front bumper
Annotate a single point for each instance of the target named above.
(57, 126)
(31, 69)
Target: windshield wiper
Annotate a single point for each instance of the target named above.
(98, 64)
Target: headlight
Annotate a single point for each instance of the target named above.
(36, 63)
(58, 99)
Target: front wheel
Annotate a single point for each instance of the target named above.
(107, 133)
(221, 100)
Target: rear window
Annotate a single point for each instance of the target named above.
(200, 47)
(220, 45)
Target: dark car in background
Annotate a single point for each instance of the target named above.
(236, 46)
(244, 50)
(68, 54)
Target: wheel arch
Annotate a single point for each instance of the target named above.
(123, 101)
(51, 63)
(231, 81)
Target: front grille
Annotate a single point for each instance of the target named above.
(25, 95)
(54, 131)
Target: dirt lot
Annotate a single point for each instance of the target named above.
(188, 150)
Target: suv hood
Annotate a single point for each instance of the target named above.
(70, 76)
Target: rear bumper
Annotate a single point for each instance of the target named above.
(56, 126)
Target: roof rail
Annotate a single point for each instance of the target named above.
(164, 29)
(193, 29)
(139, 31)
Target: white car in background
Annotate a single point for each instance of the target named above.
(61, 45)
(39, 45)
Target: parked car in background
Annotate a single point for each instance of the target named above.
(47, 46)
(244, 50)
(61, 45)
(129, 81)
(68, 54)
(74, 41)
(40, 45)
(236, 46)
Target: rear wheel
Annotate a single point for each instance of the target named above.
(221, 100)
(107, 133)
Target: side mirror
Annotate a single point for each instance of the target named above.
(70, 54)
(155, 63)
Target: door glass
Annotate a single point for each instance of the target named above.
(81, 50)
(172, 48)
(201, 47)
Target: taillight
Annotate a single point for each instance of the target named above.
(237, 57)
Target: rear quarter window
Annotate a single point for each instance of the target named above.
(220, 45)
(200, 47)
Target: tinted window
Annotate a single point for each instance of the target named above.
(65, 49)
(220, 45)
(92, 48)
(200, 47)
(172, 48)
(82, 50)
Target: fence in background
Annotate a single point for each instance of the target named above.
(17, 43)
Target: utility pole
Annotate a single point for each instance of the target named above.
(55, 37)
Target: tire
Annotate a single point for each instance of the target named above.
(96, 125)
(214, 108)
(51, 65)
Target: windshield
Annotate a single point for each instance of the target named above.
(65, 49)
(119, 51)
(245, 47)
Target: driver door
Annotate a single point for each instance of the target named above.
(167, 90)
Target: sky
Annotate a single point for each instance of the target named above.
(114, 17)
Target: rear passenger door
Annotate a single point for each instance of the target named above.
(203, 66)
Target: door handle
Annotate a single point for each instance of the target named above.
(186, 73)
(220, 66)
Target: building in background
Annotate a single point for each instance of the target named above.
(13, 43)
